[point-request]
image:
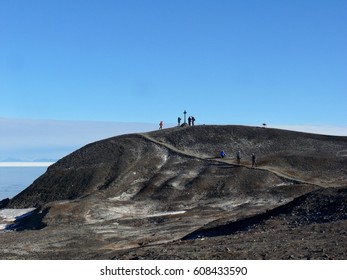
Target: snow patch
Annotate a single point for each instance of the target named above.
(342, 153)
(283, 184)
(160, 214)
(8, 216)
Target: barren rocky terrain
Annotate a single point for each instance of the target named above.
(167, 195)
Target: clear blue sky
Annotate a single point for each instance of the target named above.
(224, 61)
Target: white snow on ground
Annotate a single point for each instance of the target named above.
(165, 214)
(9, 215)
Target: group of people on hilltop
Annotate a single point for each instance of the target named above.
(191, 122)
(238, 157)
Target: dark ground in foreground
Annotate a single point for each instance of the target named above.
(311, 227)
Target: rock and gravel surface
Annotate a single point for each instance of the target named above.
(167, 195)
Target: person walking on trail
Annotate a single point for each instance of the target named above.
(189, 121)
(179, 121)
(254, 160)
(161, 125)
(193, 120)
(238, 157)
(222, 154)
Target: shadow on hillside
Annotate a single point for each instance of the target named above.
(322, 206)
(29, 221)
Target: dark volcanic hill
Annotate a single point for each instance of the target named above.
(134, 195)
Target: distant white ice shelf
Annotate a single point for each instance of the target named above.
(25, 164)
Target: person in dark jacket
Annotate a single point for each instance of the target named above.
(254, 160)
(238, 157)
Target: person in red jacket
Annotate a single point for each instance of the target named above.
(161, 125)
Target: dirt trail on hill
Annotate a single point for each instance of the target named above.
(229, 162)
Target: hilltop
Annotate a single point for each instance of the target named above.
(154, 195)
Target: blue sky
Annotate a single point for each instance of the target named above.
(224, 61)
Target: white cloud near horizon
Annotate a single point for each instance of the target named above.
(316, 129)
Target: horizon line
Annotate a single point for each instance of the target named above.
(25, 164)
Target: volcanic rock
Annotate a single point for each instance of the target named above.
(155, 195)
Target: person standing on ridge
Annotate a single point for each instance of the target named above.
(193, 120)
(189, 121)
(161, 125)
(254, 160)
(238, 157)
(179, 121)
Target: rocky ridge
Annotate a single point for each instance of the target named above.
(155, 195)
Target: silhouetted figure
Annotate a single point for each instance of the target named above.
(193, 120)
(161, 125)
(222, 154)
(179, 121)
(189, 121)
(238, 157)
(254, 160)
